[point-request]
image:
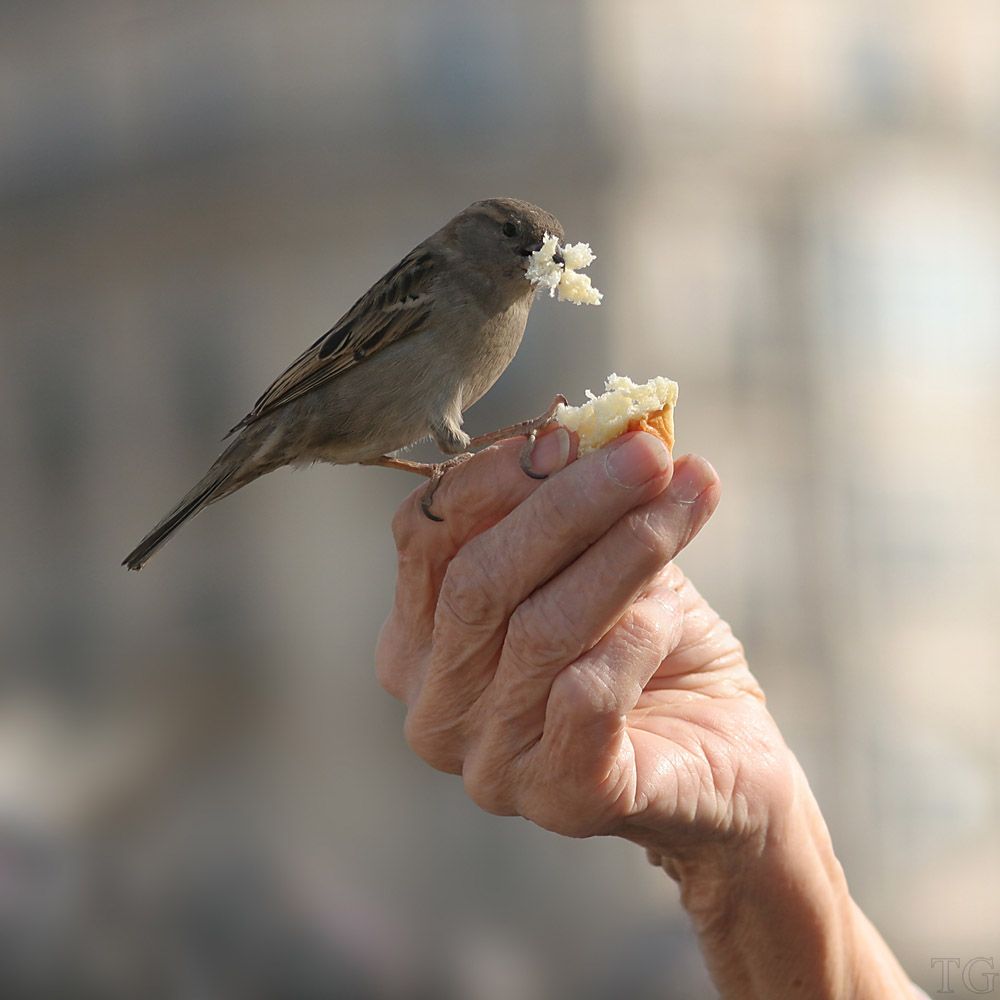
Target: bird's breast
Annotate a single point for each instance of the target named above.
(497, 343)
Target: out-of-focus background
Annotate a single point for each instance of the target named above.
(796, 208)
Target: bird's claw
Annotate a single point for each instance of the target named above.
(524, 460)
(530, 428)
(435, 471)
(437, 474)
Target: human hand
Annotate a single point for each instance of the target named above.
(550, 652)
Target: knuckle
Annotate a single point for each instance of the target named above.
(404, 524)
(570, 813)
(467, 596)
(484, 786)
(561, 514)
(652, 541)
(540, 633)
(390, 678)
(432, 744)
(389, 668)
(586, 694)
(649, 626)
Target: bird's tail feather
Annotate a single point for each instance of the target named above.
(230, 471)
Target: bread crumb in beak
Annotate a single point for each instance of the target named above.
(555, 268)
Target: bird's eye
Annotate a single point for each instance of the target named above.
(510, 229)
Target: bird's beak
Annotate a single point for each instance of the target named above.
(535, 247)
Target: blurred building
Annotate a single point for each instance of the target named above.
(820, 186)
(797, 215)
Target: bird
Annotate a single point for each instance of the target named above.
(403, 364)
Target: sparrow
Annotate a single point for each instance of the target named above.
(423, 344)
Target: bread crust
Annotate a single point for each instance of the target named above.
(659, 423)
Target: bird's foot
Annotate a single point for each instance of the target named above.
(530, 428)
(434, 471)
(439, 469)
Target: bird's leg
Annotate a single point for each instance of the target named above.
(528, 427)
(451, 438)
(448, 434)
(433, 470)
(388, 462)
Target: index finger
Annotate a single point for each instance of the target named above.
(473, 496)
(470, 499)
(501, 567)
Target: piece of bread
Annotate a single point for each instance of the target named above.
(623, 406)
(562, 277)
(660, 423)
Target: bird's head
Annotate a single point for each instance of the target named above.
(498, 235)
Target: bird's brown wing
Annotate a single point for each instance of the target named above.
(397, 305)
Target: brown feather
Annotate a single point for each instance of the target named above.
(394, 307)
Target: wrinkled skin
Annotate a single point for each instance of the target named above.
(550, 652)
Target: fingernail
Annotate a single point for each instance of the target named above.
(692, 476)
(636, 460)
(551, 452)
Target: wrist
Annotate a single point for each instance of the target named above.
(779, 894)
(774, 915)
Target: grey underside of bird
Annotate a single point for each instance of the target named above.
(412, 389)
